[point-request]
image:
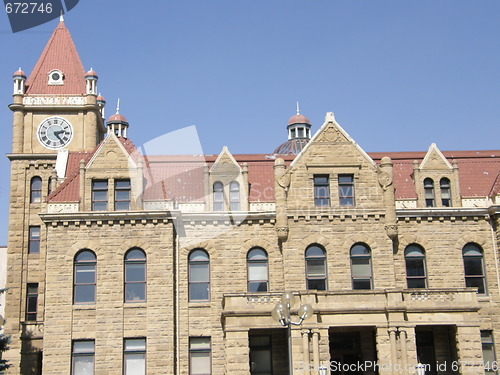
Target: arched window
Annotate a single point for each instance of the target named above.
(84, 290)
(36, 190)
(135, 276)
(474, 267)
(445, 186)
(199, 275)
(258, 277)
(218, 196)
(49, 186)
(361, 267)
(234, 196)
(315, 268)
(415, 267)
(429, 193)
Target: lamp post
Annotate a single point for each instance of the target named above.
(281, 313)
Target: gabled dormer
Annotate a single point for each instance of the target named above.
(333, 172)
(227, 184)
(436, 180)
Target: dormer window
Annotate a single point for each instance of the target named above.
(56, 77)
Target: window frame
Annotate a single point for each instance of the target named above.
(192, 262)
(119, 189)
(31, 315)
(343, 184)
(84, 263)
(251, 262)
(218, 196)
(89, 354)
(429, 192)
(370, 265)
(445, 189)
(321, 200)
(94, 190)
(127, 352)
(483, 268)
(203, 350)
(33, 242)
(488, 344)
(308, 259)
(423, 259)
(134, 261)
(36, 190)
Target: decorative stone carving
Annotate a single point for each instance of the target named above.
(392, 231)
(282, 233)
(384, 179)
(284, 181)
(331, 135)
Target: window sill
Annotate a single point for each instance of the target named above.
(199, 305)
(483, 298)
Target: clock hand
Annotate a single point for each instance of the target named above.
(58, 133)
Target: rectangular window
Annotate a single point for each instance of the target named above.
(82, 357)
(99, 195)
(200, 356)
(490, 365)
(31, 302)
(321, 190)
(122, 195)
(134, 356)
(346, 190)
(34, 240)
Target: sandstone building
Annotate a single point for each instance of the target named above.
(120, 262)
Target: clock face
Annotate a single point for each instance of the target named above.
(55, 133)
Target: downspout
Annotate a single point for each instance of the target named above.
(176, 317)
(492, 227)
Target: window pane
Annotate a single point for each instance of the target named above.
(256, 286)
(135, 255)
(361, 268)
(83, 365)
(476, 282)
(100, 185)
(122, 195)
(83, 347)
(85, 256)
(135, 272)
(345, 191)
(346, 201)
(198, 255)
(415, 267)
(100, 206)
(85, 274)
(413, 251)
(198, 272)
(135, 292)
(198, 291)
(261, 360)
(257, 254)
(196, 343)
(100, 195)
(122, 184)
(346, 179)
(84, 293)
(473, 266)
(416, 283)
(360, 250)
(315, 251)
(200, 363)
(135, 364)
(361, 284)
(472, 250)
(257, 271)
(315, 268)
(316, 284)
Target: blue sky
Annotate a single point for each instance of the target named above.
(399, 75)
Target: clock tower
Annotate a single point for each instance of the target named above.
(56, 109)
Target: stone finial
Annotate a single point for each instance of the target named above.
(330, 117)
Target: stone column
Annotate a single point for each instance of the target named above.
(281, 183)
(384, 354)
(305, 347)
(237, 353)
(17, 125)
(315, 336)
(394, 349)
(404, 351)
(469, 350)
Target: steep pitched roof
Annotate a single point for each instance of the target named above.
(59, 53)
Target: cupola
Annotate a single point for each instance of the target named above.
(117, 123)
(19, 82)
(299, 133)
(91, 80)
(101, 103)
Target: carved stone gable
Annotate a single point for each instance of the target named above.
(331, 135)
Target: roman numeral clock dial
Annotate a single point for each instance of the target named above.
(55, 133)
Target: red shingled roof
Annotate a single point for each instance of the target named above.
(181, 177)
(59, 53)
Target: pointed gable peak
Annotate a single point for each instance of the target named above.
(434, 159)
(59, 70)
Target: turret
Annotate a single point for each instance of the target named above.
(91, 80)
(117, 123)
(19, 82)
